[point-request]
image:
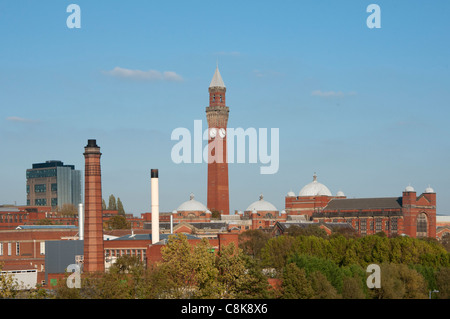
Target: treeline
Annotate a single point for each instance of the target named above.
(311, 264)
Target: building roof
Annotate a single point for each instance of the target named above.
(192, 206)
(364, 203)
(21, 227)
(149, 237)
(315, 189)
(217, 80)
(261, 205)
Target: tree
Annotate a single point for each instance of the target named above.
(398, 281)
(8, 285)
(118, 222)
(322, 288)
(112, 205)
(103, 204)
(68, 210)
(352, 288)
(120, 209)
(443, 283)
(295, 284)
(309, 230)
(253, 241)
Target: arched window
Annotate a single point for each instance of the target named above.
(422, 225)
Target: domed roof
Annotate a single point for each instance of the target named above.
(409, 188)
(429, 190)
(192, 206)
(315, 189)
(340, 194)
(291, 194)
(261, 205)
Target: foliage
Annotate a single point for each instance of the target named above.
(68, 210)
(8, 286)
(253, 241)
(112, 205)
(120, 209)
(118, 222)
(398, 281)
(295, 284)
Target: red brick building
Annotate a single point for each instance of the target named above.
(408, 214)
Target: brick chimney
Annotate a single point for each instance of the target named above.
(94, 256)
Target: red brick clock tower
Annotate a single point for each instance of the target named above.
(217, 116)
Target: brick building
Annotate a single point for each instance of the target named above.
(408, 214)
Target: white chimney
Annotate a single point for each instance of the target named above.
(81, 221)
(155, 206)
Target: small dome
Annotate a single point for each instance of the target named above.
(192, 206)
(261, 205)
(429, 190)
(409, 188)
(340, 194)
(291, 194)
(315, 189)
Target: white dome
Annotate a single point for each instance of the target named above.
(315, 189)
(340, 194)
(261, 205)
(409, 188)
(429, 190)
(192, 206)
(291, 194)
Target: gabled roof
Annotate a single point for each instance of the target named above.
(364, 203)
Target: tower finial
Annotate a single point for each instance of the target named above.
(315, 177)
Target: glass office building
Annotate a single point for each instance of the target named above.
(53, 184)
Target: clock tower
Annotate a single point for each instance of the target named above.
(217, 116)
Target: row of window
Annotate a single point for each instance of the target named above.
(41, 173)
(42, 188)
(361, 224)
(122, 252)
(12, 218)
(7, 248)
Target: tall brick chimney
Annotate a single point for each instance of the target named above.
(94, 259)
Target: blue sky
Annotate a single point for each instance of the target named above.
(367, 109)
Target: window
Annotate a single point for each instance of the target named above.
(40, 202)
(371, 224)
(28, 189)
(422, 225)
(378, 224)
(40, 188)
(42, 247)
(9, 249)
(357, 224)
(54, 202)
(214, 98)
(394, 224)
(17, 249)
(54, 187)
(386, 225)
(221, 100)
(363, 225)
(1, 249)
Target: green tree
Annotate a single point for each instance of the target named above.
(103, 204)
(295, 284)
(322, 287)
(352, 288)
(443, 283)
(398, 281)
(121, 210)
(309, 230)
(253, 241)
(112, 205)
(8, 285)
(118, 222)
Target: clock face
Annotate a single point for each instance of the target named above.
(222, 132)
(213, 132)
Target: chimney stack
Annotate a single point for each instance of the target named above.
(81, 221)
(94, 255)
(155, 206)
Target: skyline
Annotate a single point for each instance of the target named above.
(365, 109)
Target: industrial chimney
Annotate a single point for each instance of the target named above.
(81, 221)
(155, 206)
(94, 254)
